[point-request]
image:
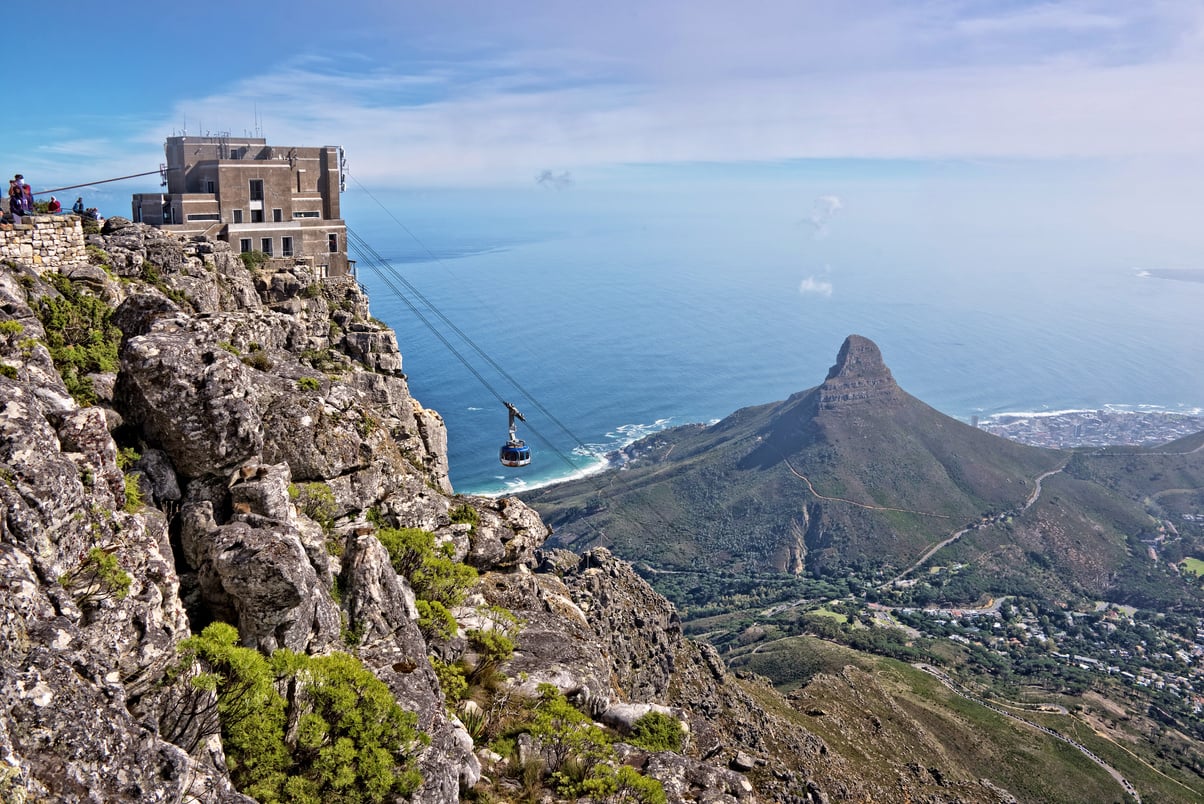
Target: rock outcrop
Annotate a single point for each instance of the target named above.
(859, 377)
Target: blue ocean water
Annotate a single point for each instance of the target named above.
(619, 314)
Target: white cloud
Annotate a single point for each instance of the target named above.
(901, 83)
(1061, 17)
(815, 287)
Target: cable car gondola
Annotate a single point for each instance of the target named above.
(514, 452)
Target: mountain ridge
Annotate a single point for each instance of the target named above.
(856, 475)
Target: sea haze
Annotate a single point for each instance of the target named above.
(622, 313)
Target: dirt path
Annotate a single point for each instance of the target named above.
(811, 488)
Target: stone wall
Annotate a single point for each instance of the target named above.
(44, 240)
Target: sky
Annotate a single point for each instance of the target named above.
(566, 94)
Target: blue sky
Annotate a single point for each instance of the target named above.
(463, 94)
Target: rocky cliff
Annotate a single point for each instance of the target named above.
(190, 438)
(859, 377)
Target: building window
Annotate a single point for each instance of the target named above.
(266, 246)
(286, 247)
(204, 216)
(307, 214)
(277, 215)
(256, 189)
(244, 245)
(209, 186)
(333, 241)
(257, 216)
(237, 216)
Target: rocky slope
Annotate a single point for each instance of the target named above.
(238, 455)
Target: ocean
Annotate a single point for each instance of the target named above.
(614, 314)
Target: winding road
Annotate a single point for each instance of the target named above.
(1028, 503)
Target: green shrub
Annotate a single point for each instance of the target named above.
(127, 457)
(258, 360)
(326, 361)
(657, 731)
(308, 384)
(98, 255)
(133, 495)
(434, 620)
(229, 347)
(562, 732)
(316, 501)
(352, 731)
(465, 514)
(493, 647)
(11, 327)
(452, 680)
(432, 572)
(253, 259)
(80, 335)
(622, 785)
(350, 742)
(98, 577)
(8, 371)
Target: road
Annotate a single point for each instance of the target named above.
(930, 552)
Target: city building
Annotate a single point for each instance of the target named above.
(283, 201)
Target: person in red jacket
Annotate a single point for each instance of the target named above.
(55, 207)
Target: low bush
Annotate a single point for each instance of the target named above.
(253, 259)
(657, 731)
(133, 495)
(258, 360)
(350, 742)
(98, 577)
(315, 500)
(432, 572)
(80, 335)
(465, 514)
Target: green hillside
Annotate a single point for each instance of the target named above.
(817, 483)
(857, 477)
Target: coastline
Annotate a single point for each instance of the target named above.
(1109, 425)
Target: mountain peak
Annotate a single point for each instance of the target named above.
(858, 376)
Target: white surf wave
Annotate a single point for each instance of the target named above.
(599, 456)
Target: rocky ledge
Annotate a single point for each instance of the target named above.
(858, 378)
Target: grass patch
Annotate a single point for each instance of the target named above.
(1193, 565)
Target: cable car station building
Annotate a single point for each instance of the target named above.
(283, 201)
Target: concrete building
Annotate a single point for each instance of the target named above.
(283, 201)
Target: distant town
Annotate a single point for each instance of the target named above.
(1093, 428)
